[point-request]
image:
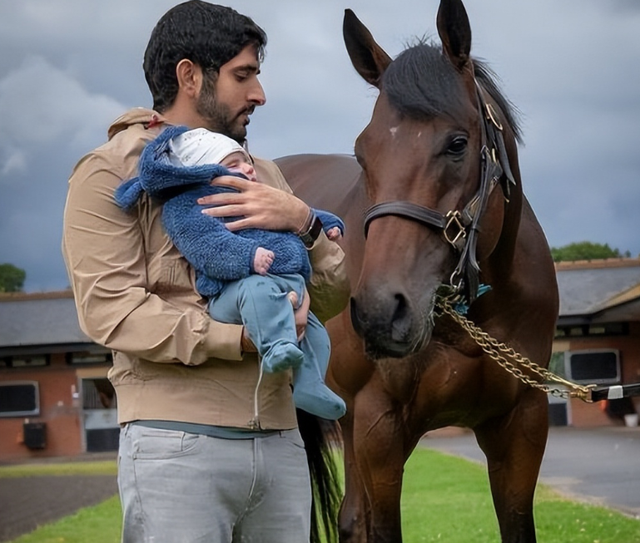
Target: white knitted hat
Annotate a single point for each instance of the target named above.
(201, 146)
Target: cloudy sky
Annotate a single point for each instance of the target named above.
(69, 67)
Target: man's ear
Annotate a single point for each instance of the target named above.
(189, 77)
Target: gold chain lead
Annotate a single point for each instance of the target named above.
(512, 361)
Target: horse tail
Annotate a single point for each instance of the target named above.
(320, 438)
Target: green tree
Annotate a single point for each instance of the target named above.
(585, 250)
(11, 278)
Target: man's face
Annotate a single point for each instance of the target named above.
(226, 102)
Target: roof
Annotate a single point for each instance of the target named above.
(48, 318)
(595, 291)
(600, 290)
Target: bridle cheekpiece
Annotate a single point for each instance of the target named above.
(461, 228)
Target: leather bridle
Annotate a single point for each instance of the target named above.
(461, 228)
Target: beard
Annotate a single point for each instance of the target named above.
(219, 117)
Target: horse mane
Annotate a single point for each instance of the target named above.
(488, 80)
(422, 83)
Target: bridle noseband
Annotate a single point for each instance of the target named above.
(460, 228)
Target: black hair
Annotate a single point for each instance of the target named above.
(207, 34)
(422, 83)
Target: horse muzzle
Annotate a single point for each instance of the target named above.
(390, 324)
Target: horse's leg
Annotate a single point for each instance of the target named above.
(514, 446)
(353, 512)
(379, 456)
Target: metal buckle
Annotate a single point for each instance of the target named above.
(453, 218)
(493, 116)
(455, 283)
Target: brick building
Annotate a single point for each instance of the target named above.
(56, 400)
(598, 335)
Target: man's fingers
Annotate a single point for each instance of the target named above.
(257, 206)
(231, 181)
(226, 210)
(234, 226)
(222, 199)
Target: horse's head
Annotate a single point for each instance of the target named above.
(431, 156)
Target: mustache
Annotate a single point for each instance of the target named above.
(247, 111)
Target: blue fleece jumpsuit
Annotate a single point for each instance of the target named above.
(223, 261)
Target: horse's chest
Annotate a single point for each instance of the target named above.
(437, 368)
(449, 336)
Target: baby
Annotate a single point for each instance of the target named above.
(249, 276)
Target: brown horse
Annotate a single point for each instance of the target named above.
(434, 203)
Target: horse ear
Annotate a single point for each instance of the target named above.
(367, 57)
(454, 31)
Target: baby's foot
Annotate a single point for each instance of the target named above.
(319, 400)
(282, 356)
(263, 260)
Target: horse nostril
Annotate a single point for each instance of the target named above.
(401, 320)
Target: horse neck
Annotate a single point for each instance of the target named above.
(499, 262)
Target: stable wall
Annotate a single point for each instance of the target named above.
(59, 411)
(589, 415)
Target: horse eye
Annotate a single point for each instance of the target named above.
(457, 146)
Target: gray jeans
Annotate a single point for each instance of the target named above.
(177, 487)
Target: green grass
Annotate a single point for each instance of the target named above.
(99, 524)
(445, 499)
(107, 467)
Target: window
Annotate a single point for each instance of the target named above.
(19, 399)
(591, 330)
(29, 361)
(593, 366)
(87, 357)
(24, 361)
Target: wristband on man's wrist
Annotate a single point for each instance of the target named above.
(307, 223)
(310, 230)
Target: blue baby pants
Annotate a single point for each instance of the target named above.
(261, 304)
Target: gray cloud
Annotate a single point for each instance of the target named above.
(70, 66)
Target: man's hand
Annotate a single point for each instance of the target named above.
(301, 315)
(301, 312)
(259, 205)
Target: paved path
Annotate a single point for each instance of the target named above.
(29, 502)
(597, 465)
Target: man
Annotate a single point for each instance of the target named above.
(209, 449)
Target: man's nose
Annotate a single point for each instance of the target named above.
(256, 94)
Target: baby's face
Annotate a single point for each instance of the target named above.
(238, 162)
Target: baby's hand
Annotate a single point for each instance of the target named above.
(334, 234)
(263, 260)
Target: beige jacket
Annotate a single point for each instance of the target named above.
(135, 294)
